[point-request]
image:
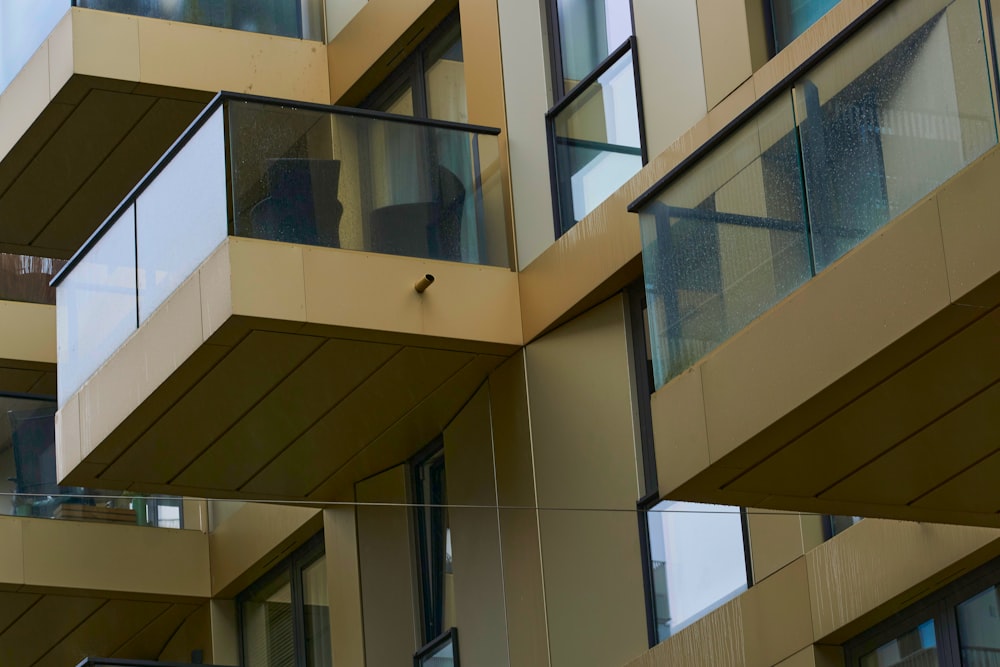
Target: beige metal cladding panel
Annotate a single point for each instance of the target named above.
(725, 47)
(385, 551)
(776, 620)
(870, 567)
(106, 44)
(475, 535)
(775, 540)
(28, 332)
(714, 641)
(343, 571)
(584, 454)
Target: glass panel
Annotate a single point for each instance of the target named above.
(434, 541)
(445, 78)
(792, 17)
(698, 561)
(345, 181)
(26, 278)
(725, 242)
(96, 307)
(894, 113)
(915, 648)
(295, 18)
(268, 635)
(597, 144)
(316, 614)
(441, 657)
(589, 31)
(24, 25)
(182, 215)
(28, 479)
(979, 629)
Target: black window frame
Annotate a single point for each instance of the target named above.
(294, 564)
(411, 71)
(449, 636)
(563, 98)
(940, 606)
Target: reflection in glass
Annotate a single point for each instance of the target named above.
(24, 25)
(597, 144)
(270, 17)
(445, 78)
(26, 278)
(698, 561)
(589, 31)
(979, 629)
(316, 613)
(434, 544)
(440, 656)
(792, 17)
(268, 635)
(726, 241)
(879, 133)
(915, 648)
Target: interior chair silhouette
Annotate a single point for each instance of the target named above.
(431, 229)
(301, 204)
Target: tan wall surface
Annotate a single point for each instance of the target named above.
(343, 572)
(194, 634)
(388, 583)
(725, 47)
(225, 633)
(28, 332)
(527, 630)
(584, 455)
(475, 535)
(253, 539)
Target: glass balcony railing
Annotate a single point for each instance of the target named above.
(893, 112)
(324, 176)
(27, 278)
(302, 19)
(594, 138)
(28, 481)
(24, 26)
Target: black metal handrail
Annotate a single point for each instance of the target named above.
(216, 102)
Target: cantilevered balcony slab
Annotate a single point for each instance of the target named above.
(68, 589)
(257, 332)
(872, 390)
(102, 99)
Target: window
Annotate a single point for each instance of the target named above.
(595, 128)
(790, 18)
(285, 615)
(958, 626)
(430, 83)
(434, 559)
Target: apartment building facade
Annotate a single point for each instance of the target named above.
(499, 332)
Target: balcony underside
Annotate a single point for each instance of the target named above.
(99, 103)
(70, 589)
(874, 390)
(297, 386)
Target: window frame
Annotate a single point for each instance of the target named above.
(294, 564)
(940, 606)
(449, 636)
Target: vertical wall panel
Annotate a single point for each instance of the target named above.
(584, 455)
(343, 572)
(385, 551)
(475, 536)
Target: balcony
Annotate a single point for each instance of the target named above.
(822, 284)
(246, 322)
(89, 99)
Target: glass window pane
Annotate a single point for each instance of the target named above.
(434, 542)
(316, 614)
(589, 31)
(698, 561)
(268, 635)
(899, 109)
(442, 657)
(792, 17)
(914, 648)
(979, 629)
(445, 78)
(597, 143)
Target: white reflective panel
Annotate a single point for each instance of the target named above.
(24, 25)
(96, 305)
(182, 215)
